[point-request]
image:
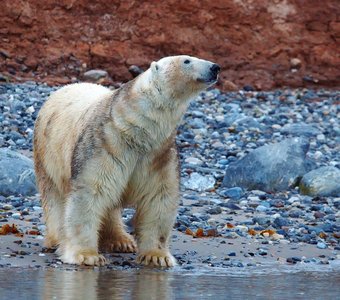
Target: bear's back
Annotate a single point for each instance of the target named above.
(61, 120)
(75, 97)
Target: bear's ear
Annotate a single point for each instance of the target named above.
(154, 67)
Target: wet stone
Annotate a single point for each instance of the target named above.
(262, 252)
(214, 210)
(293, 260)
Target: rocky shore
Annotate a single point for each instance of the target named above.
(260, 180)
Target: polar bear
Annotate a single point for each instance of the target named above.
(97, 151)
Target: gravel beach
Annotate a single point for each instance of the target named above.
(277, 219)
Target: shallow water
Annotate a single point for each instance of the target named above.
(153, 284)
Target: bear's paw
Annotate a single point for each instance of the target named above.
(83, 257)
(156, 258)
(122, 243)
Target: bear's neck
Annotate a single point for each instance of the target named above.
(155, 104)
(145, 118)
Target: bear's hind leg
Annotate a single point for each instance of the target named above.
(53, 214)
(53, 205)
(113, 236)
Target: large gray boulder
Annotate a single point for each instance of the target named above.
(16, 174)
(324, 181)
(274, 167)
(300, 129)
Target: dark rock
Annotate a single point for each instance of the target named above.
(183, 220)
(5, 53)
(274, 167)
(295, 213)
(324, 181)
(214, 210)
(328, 227)
(319, 215)
(233, 193)
(231, 205)
(248, 88)
(293, 260)
(16, 174)
(277, 203)
(262, 252)
(280, 222)
(135, 70)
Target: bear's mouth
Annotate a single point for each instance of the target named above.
(210, 80)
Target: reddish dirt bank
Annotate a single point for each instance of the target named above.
(263, 43)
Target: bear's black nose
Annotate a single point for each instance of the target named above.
(215, 68)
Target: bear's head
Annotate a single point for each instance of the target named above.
(183, 77)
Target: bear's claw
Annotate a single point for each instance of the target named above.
(88, 258)
(156, 258)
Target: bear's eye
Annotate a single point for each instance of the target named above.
(187, 61)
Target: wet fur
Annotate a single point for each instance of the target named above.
(97, 151)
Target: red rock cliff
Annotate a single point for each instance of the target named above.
(264, 43)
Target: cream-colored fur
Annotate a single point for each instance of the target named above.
(97, 151)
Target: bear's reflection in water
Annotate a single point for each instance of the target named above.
(93, 284)
(89, 284)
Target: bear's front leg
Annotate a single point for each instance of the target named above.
(83, 216)
(154, 221)
(155, 217)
